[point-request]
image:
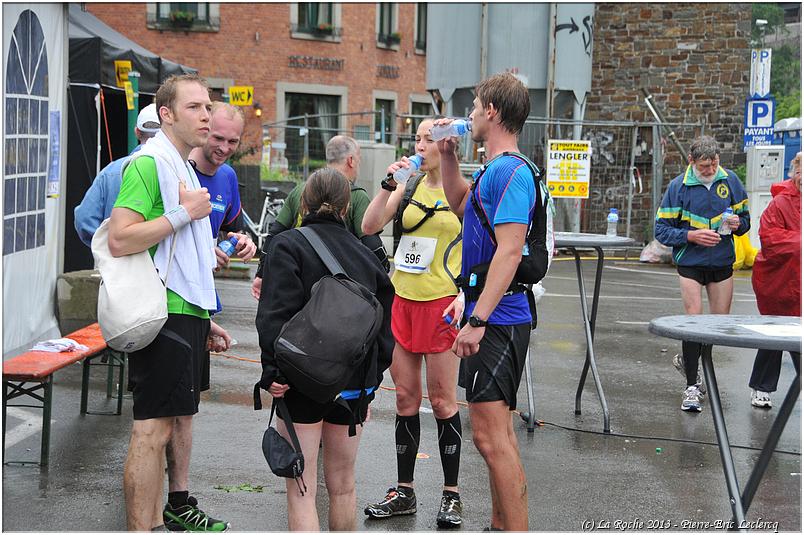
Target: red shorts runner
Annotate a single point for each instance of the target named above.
(418, 326)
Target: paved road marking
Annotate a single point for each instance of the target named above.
(638, 298)
(31, 424)
(739, 276)
(637, 285)
(654, 286)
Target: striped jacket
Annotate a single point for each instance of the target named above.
(688, 205)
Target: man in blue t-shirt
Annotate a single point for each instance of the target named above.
(225, 129)
(494, 342)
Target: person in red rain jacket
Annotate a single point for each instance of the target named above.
(777, 276)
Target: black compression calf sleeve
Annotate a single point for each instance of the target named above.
(449, 446)
(408, 431)
(692, 355)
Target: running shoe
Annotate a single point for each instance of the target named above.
(449, 515)
(190, 518)
(691, 402)
(678, 363)
(761, 399)
(398, 501)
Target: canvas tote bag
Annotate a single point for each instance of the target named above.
(132, 300)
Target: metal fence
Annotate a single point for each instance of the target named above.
(631, 162)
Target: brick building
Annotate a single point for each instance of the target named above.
(300, 57)
(693, 58)
(343, 58)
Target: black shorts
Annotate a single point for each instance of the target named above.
(304, 410)
(494, 372)
(165, 376)
(704, 276)
(205, 369)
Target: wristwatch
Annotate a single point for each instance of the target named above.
(386, 186)
(474, 321)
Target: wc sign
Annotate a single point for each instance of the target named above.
(759, 120)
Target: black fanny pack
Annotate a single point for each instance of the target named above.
(283, 459)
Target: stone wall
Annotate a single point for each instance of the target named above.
(693, 58)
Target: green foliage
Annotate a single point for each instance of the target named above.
(785, 72)
(316, 164)
(182, 16)
(241, 152)
(770, 12)
(276, 175)
(788, 106)
(785, 62)
(741, 171)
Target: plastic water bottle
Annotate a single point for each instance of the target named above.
(611, 225)
(403, 173)
(228, 246)
(724, 228)
(456, 128)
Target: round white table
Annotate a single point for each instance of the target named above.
(780, 333)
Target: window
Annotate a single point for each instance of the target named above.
(383, 119)
(421, 27)
(420, 111)
(361, 132)
(219, 88)
(314, 16)
(322, 124)
(184, 16)
(387, 33)
(315, 20)
(26, 139)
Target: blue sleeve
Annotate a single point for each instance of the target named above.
(234, 205)
(668, 219)
(517, 196)
(89, 214)
(98, 202)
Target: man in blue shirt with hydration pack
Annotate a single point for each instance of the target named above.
(494, 342)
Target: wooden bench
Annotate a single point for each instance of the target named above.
(32, 372)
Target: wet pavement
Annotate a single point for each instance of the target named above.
(659, 467)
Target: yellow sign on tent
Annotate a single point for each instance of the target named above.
(129, 95)
(121, 70)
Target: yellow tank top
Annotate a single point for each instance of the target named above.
(445, 227)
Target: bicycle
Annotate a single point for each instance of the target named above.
(270, 209)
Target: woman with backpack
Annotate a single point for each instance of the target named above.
(426, 261)
(293, 267)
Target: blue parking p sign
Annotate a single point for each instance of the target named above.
(759, 121)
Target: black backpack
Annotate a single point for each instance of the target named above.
(321, 347)
(407, 199)
(539, 241)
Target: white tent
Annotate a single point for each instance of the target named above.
(35, 51)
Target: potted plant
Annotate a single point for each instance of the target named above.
(393, 38)
(181, 19)
(325, 28)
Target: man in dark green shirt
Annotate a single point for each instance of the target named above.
(343, 154)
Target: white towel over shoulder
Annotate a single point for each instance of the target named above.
(194, 257)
